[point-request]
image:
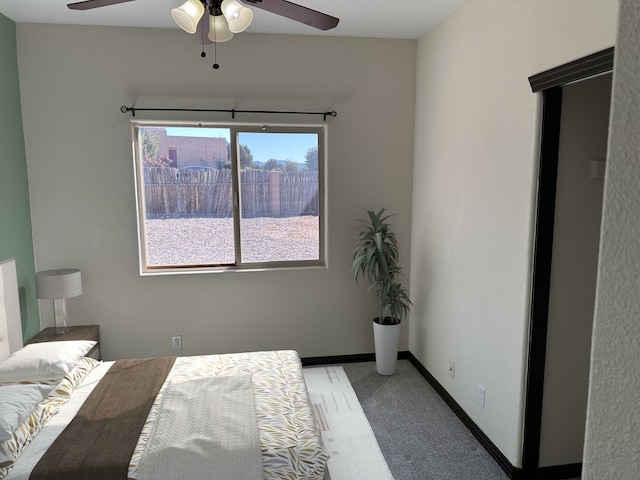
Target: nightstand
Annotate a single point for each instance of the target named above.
(82, 332)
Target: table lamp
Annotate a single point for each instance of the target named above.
(58, 285)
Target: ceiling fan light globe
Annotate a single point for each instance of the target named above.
(188, 15)
(238, 17)
(219, 29)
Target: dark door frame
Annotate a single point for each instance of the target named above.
(550, 83)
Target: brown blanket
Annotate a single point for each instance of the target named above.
(99, 441)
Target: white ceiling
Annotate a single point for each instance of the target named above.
(358, 18)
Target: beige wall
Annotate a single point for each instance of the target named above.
(475, 169)
(78, 149)
(612, 447)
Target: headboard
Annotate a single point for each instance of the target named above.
(10, 323)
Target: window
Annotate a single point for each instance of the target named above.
(219, 197)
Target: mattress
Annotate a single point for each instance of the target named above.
(290, 439)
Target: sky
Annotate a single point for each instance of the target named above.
(263, 145)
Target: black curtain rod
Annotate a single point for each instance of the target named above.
(125, 109)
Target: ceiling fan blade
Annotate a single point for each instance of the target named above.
(89, 4)
(296, 12)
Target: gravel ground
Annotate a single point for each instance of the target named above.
(193, 241)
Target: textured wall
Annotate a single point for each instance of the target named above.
(612, 447)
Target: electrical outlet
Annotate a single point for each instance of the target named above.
(452, 368)
(481, 395)
(176, 342)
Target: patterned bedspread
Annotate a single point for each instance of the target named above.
(289, 435)
(290, 438)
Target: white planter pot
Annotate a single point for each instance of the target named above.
(387, 339)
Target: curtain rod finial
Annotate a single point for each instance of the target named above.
(125, 109)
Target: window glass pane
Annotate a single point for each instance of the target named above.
(279, 197)
(188, 196)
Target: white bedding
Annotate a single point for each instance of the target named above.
(31, 455)
(290, 440)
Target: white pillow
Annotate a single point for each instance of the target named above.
(16, 404)
(43, 361)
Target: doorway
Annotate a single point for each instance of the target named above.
(564, 264)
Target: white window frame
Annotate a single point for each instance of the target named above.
(238, 264)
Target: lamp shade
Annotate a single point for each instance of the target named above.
(219, 29)
(188, 15)
(58, 284)
(238, 17)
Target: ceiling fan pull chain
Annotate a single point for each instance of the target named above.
(215, 47)
(215, 57)
(200, 34)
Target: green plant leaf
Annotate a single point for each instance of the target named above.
(376, 257)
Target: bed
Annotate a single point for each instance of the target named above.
(238, 415)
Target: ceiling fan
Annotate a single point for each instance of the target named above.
(226, 17)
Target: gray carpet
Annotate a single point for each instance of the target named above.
(419, 435)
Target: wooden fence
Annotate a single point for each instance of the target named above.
(202, 191)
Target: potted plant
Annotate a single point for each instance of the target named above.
(376, 257)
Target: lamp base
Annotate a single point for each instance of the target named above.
(61, 330)
(60, 314)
